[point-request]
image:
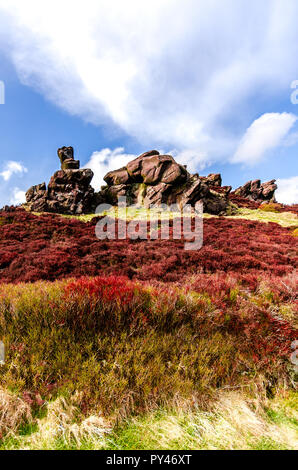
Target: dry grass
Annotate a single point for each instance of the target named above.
(65, 425)
(235, 421)
(14, 413)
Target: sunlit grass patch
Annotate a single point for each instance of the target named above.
(285, 219)
(131, 212)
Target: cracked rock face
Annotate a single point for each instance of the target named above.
(154, 179)
(69, 190)
(257, 191)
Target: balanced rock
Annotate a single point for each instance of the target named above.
(67, 160)
(257, 191)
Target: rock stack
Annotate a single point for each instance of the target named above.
(69, 190)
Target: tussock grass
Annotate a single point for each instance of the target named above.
(235, 420)
(64, 425)
(14, 413)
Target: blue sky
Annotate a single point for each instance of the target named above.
(210, 84)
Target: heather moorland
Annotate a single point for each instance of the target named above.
(140, 344)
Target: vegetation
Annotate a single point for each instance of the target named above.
(114, 348)
(142, 345)
(285, 219)
(235, 421)
(50, 247)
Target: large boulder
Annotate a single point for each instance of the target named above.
(35, 192)
(75, 178)
(153, 179)
(115, 177)
(152, 168)
(36, 197)
(134, 167)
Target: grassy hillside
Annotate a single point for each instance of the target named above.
(182, 351)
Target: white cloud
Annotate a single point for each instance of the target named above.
(287, 192)
(12, 168)
(194, 159)
(106, 160)
(264, 134)
(166, 72)
(18, 197)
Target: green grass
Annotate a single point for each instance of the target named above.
(131, 213)
(162, 371)
(151, 370)
(285, 219)
(233, 423)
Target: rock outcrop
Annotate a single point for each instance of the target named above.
(257, 191)
(69, 190)
(154, 179)
(149, 180)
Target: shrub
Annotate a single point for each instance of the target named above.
(271, 207)
(50, 247)
(160, 343)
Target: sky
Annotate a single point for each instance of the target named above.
(213, 83)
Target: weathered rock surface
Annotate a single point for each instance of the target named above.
(67, 160)
(257, 191)
(68, 192)
(214, 179)
(149, 180)
(154, 179)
